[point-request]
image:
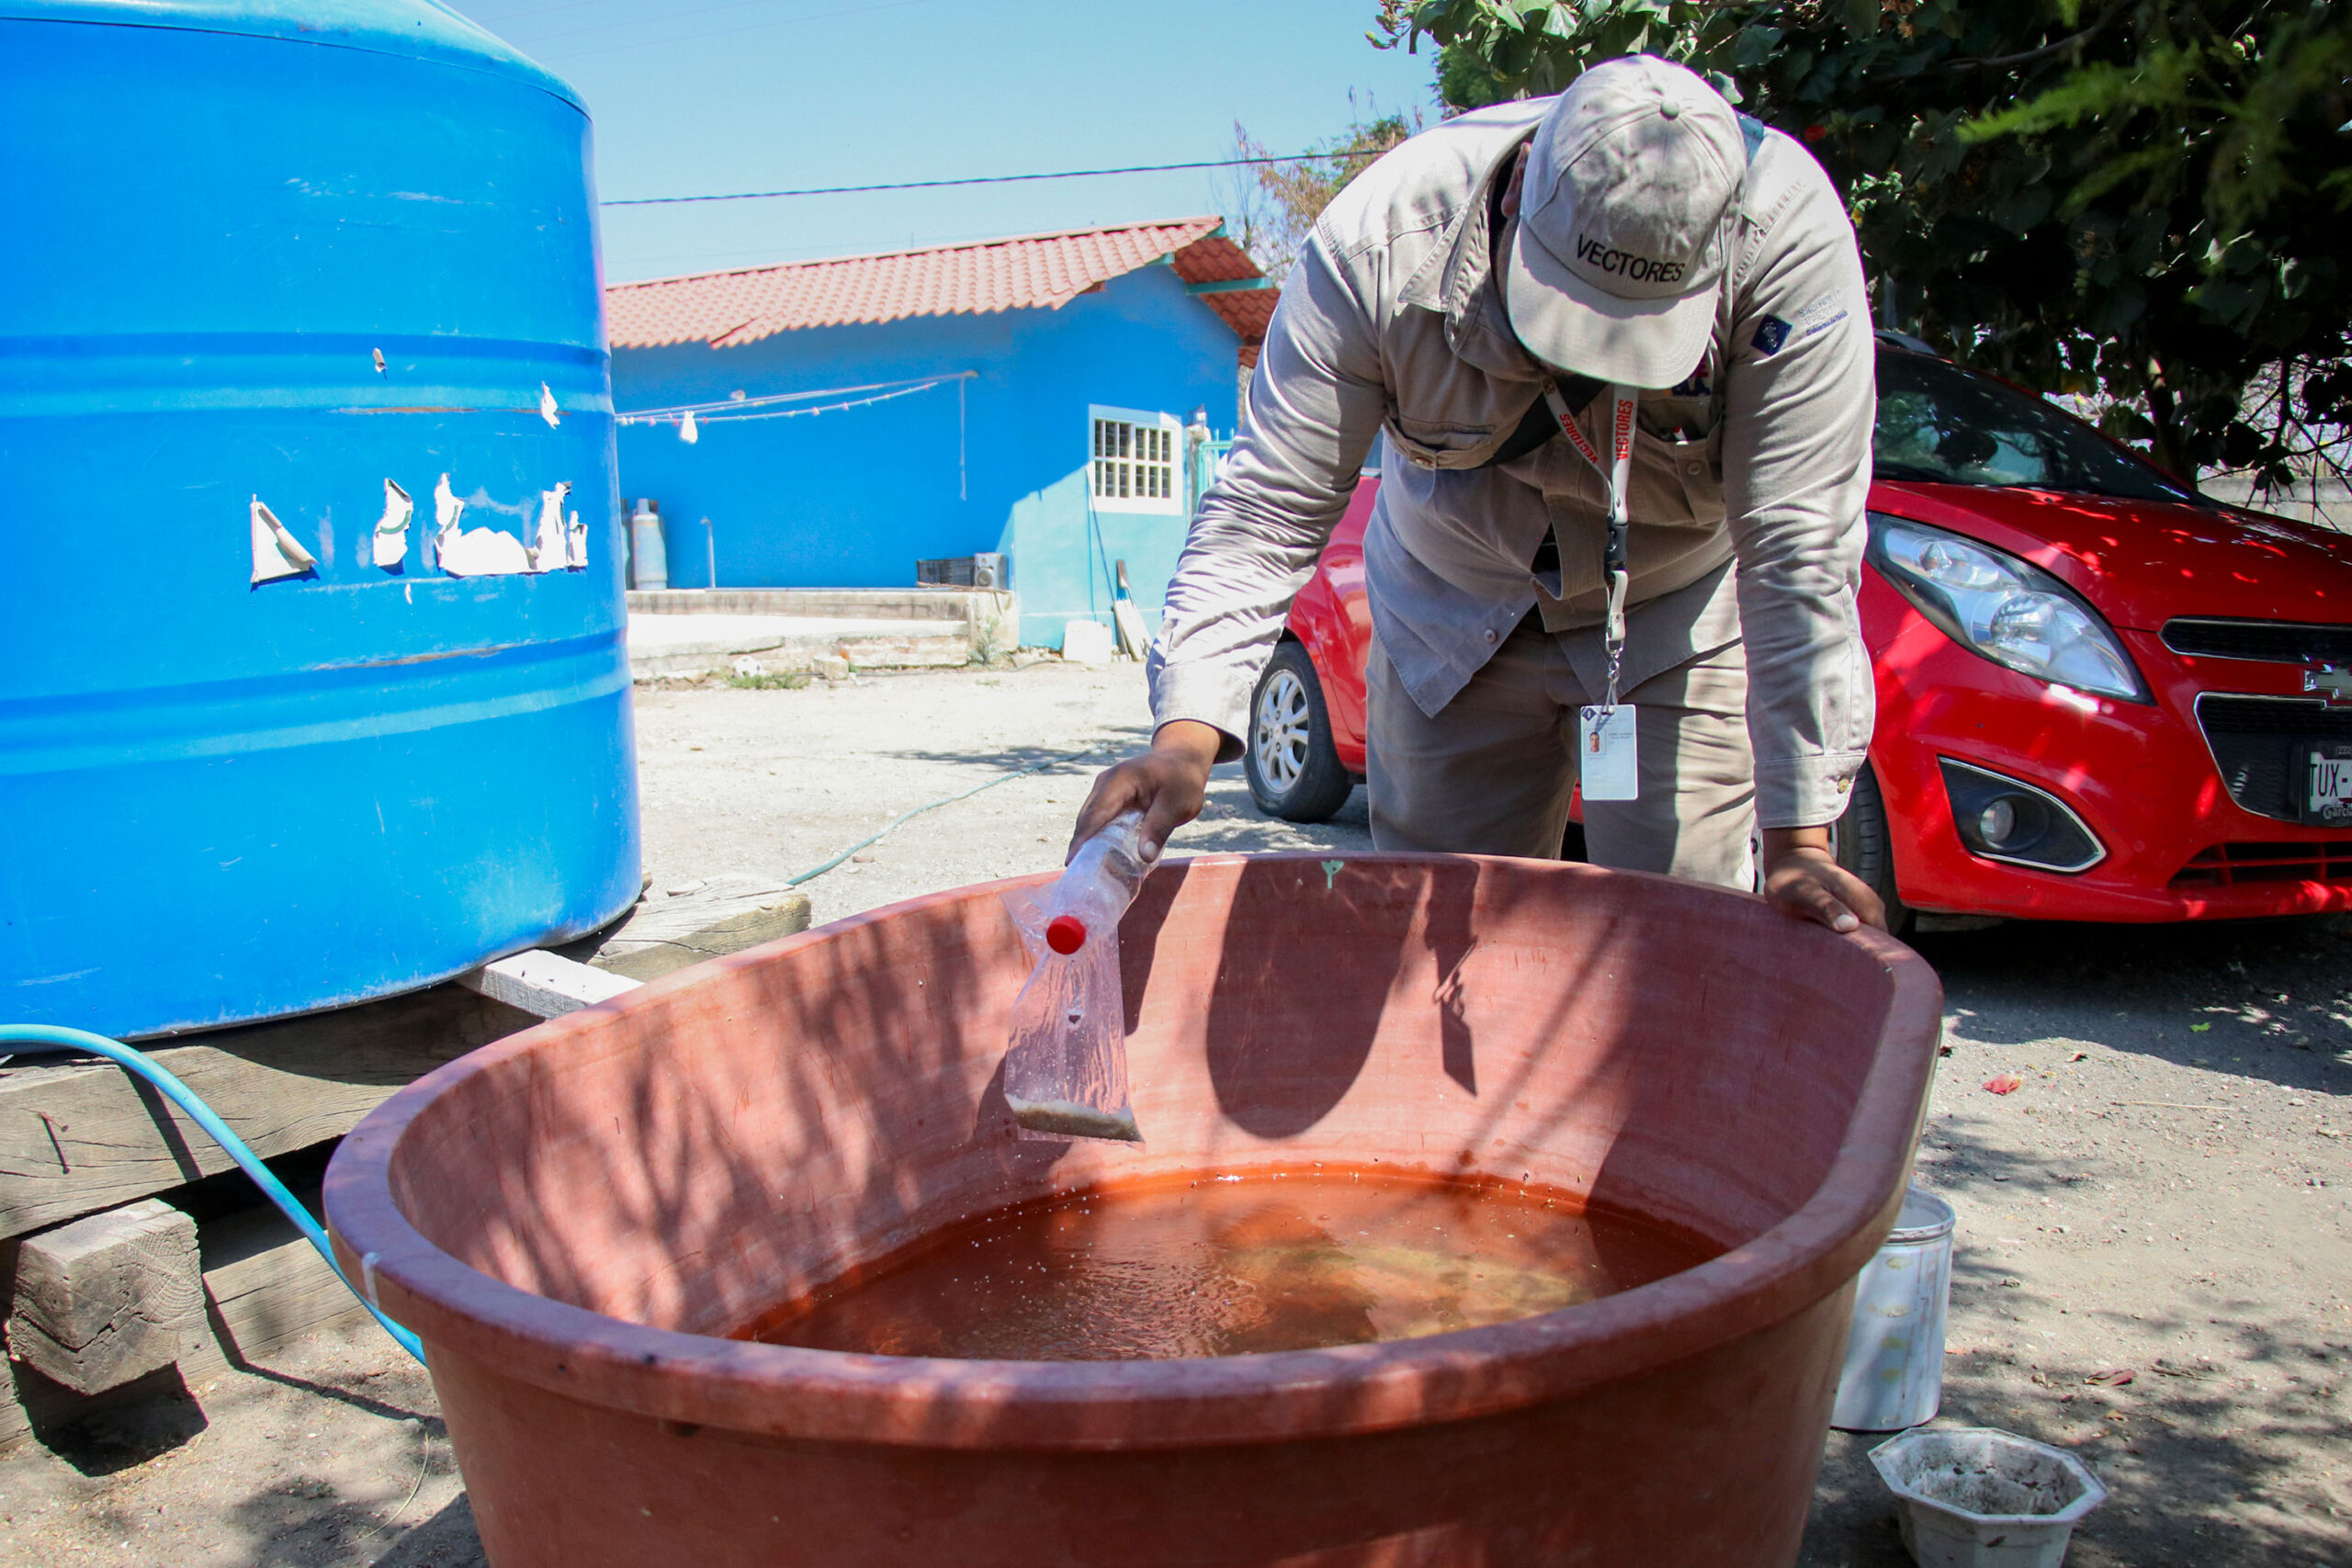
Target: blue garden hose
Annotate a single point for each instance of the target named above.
(42, 1036)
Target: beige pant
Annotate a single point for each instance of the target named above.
(1491, 774)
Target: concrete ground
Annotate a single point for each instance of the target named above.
(2153, 1237)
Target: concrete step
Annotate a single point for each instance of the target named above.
(663, 644)
(862, 603)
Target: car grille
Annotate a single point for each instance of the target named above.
(2272, 642)
(2260, 746)
(2230, 865)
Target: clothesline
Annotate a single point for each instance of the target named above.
(767, 407)
(690, 417)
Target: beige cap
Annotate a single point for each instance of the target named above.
(1622, 224)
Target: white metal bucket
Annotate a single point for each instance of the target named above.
(1894, 1376)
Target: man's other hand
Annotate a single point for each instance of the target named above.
(1804, 882)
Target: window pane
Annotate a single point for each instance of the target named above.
(1939, 423)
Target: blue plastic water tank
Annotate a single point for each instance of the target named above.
(268, 255)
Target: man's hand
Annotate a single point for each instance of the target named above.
(1167, 784)
(1804, 882)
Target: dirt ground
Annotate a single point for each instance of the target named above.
(2160, 1206)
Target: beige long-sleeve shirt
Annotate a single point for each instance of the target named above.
(1749, 483)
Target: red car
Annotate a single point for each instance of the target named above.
(2101, 697)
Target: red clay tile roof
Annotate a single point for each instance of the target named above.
(1035, 271)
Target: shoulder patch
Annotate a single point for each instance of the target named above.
(1771, 334)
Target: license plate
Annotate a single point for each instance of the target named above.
(2330, 800)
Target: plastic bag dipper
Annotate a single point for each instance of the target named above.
(1066, 1073)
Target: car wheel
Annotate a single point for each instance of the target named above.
(1865, 847)
(1294, 773)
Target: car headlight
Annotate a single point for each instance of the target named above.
(2005, 609)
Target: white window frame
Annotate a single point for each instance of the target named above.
(1144, 470)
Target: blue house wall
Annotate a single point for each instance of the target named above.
(852, 499)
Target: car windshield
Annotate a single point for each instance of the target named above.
(1939, 423)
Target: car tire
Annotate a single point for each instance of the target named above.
(1294, 773)
(1864, 846)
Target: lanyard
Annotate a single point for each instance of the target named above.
(1616, 478)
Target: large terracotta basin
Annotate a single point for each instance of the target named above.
(572, 1216)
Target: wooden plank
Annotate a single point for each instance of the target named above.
(727, 914)
(1134, 641)
(75, 1139)
(264, 1286)
(107, 1298)
(547, 984)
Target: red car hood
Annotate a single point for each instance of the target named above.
(2144, 562)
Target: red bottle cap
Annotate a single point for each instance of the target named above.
(1066, 933)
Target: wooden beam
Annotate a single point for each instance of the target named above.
(266, 1286)
(547, 984)
(107, 1298)
(81, 1138)
(726, 915)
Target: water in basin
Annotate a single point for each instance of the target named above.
(1233, 1265)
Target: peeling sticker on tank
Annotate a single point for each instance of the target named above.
(484, 552)
(546, 407)
(379, 360)
(276, 553)
(575, 544)
(1331, 869)
(446, 509)
(471, 552)
(551, 551)
(391, 528)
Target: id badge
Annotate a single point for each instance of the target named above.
(1607, 766)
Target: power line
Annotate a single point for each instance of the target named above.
(978, 180)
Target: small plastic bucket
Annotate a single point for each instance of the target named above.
(1894, 1376)
(1982, 1498)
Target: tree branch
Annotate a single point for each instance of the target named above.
(2000, 62)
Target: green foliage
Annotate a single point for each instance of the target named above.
(2132, 201)
(788, 681)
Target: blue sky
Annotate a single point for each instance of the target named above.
(695, 95)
